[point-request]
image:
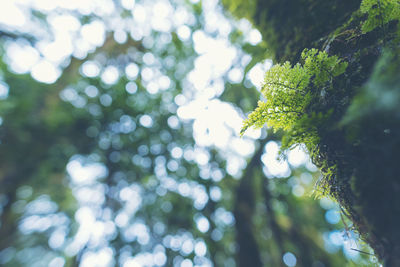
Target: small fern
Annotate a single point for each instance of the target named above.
(289, 90)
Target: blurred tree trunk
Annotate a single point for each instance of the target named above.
(248, 250)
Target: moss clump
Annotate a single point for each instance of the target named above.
(379, 13)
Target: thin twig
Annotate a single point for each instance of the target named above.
(362, 251)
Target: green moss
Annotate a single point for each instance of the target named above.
(379, 13)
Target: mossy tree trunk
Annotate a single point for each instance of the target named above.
(362, 142)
